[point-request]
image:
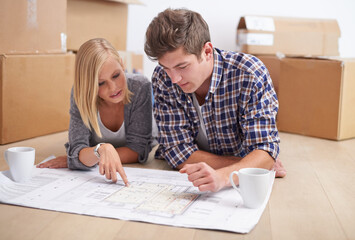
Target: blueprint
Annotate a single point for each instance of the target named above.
(155, 196)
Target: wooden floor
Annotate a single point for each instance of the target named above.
(315, 201)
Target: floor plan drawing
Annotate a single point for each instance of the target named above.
(155, 196)
(155, 199)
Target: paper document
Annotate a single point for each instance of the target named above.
(155, 196)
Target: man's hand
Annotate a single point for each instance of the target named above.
(280, 170)
(204, 177)
(58, 162)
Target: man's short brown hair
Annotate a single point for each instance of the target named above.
(174, 28)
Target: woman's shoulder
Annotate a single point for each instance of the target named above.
(136, 81)
(140, 86)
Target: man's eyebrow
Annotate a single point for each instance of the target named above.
(162, 65)
(177, 65)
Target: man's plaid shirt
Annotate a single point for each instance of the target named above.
(239, 111)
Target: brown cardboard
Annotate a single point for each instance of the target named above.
(31, 27)
(289, 36)
(272, 63)
(34, 95)
(316, 97)
(89, 19)
(137, 63)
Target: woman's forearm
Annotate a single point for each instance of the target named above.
(88, 158)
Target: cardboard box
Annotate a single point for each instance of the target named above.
(132, 62)
(89, 19)
(316, 97)
(289, 36)
(272, 63)
(34, 95)
(31, 27)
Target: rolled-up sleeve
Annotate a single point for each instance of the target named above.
(259, 107)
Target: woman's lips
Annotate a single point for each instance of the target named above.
(116, 95)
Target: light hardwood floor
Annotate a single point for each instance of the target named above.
(316, 200)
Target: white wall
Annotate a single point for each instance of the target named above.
(222, 17)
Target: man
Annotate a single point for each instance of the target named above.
(215, 110)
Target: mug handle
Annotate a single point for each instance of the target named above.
(231, 179)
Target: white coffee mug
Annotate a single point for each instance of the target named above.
(20, 161)
(253, 185)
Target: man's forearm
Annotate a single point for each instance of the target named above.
(255, 159)
(209, 172)
(213, 160)
(228, 164)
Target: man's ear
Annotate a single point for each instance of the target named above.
(208, 50)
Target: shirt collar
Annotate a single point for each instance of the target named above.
(217, 70)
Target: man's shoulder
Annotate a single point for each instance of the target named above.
(159, 72)
(160, 76)
(240, 61)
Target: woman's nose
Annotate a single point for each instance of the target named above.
(111, 85)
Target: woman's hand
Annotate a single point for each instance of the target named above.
(58, 162)
(110, 163)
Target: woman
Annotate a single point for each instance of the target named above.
(110, 114)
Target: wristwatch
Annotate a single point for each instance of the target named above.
(96, 150)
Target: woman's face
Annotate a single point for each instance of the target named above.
(112, 81)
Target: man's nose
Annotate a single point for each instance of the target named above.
(175, 76)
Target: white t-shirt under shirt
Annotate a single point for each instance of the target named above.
(202, 141)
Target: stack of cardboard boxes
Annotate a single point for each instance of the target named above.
(37, 71)
(107, 19)
(313, 85)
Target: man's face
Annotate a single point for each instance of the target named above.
(186, 70)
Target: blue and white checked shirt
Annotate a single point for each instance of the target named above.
(239, 111)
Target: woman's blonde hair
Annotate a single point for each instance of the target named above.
(89, 60)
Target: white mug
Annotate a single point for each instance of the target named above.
(253, 185)
(21, 161)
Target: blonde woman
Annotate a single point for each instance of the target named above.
(110, 114)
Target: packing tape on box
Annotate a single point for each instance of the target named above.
(263, 39)
(32, 14)
(260, 23)
(63, 40)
